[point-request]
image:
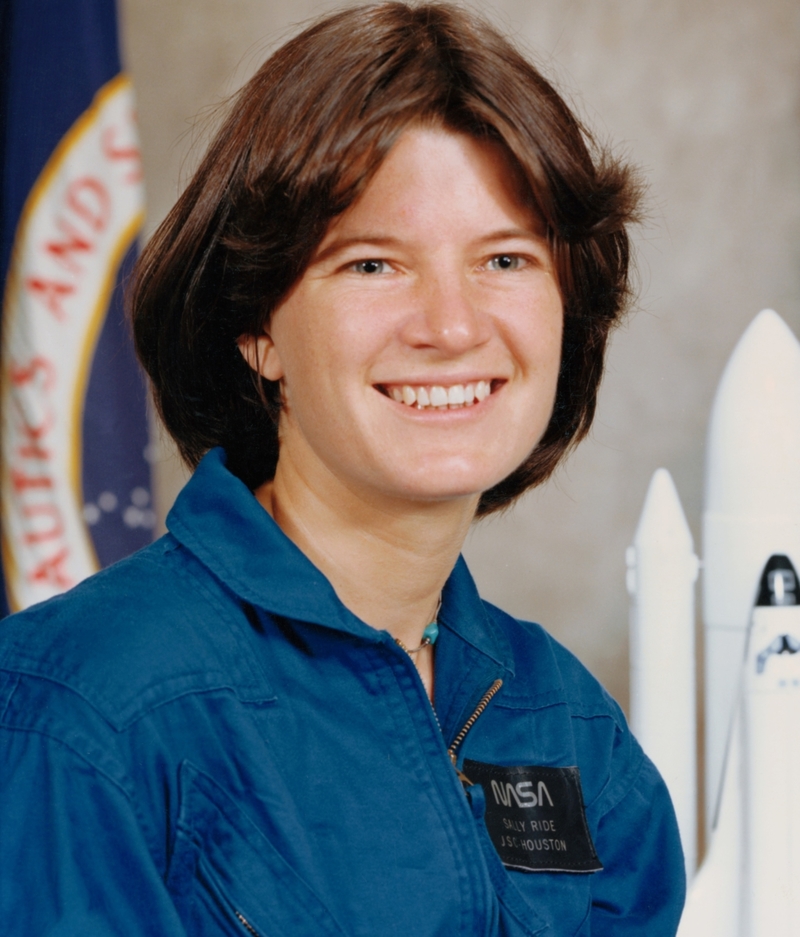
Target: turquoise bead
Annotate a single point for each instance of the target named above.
(431, 632)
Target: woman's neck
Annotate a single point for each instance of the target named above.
(387, 561)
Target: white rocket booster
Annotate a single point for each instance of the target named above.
(752, 509)
(662, 569)
(749, 884)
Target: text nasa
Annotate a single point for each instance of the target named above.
(507, 795)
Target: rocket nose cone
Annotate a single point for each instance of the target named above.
(662, 520)
(779, 583)
(767, 328)
(766, 336)
(754, 432)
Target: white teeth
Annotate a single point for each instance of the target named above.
(438, 396)
(455, 395)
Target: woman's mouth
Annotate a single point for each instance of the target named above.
(439, 396)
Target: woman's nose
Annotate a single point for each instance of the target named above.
(448, 316)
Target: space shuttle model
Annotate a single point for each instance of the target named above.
(748, 884)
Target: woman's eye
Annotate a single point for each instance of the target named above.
(370, 266)
(506, 262)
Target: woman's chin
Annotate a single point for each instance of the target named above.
(447, 489)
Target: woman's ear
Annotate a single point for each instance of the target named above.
(260, 353)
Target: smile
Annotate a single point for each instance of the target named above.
(439, 397)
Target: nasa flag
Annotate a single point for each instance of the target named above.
(74, 475)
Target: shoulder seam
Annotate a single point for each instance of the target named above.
(607, 714)
(31, 730)
(128, 795)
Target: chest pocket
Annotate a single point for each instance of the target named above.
(533, 904)
(227, 878)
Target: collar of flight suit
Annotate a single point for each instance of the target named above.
(220, 521)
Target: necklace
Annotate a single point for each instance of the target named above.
(429, 635)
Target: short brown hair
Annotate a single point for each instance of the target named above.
(302, 140)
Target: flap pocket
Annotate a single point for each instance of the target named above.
(226, 877)
(532, 905)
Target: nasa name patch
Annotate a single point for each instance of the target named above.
(535, 817)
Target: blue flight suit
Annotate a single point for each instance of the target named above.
(202, 740)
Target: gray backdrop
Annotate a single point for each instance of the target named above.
(705, 96)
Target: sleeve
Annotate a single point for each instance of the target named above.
(75, 861)
(641, 890)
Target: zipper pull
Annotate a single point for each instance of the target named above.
(461, 776)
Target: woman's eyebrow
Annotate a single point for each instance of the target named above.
(507, 234)
(339, 244)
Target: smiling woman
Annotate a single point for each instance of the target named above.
(435, 283)
(378, 311)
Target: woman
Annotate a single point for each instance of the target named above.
(378, 311)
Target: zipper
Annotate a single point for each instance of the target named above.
(484, 702)
(452, 751)
(245, 923)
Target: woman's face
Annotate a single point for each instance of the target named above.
(420, 350)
